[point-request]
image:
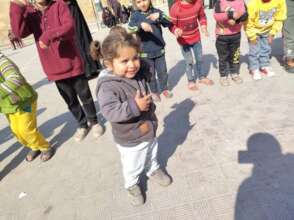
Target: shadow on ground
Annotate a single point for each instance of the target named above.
(269, 192)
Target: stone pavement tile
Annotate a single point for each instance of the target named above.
(204, 210)
(147, 216)
(180, 212)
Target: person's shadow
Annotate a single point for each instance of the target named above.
(176, 128)
(269, 192)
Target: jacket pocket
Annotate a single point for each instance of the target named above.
(59, 58)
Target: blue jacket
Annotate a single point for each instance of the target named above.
(152, 43)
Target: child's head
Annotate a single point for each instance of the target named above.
(120, 53)
(118, 30)
(142, 5)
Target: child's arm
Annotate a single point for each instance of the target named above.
(161, 17)
(250, 29)
(280, 16)
(113, 109)
(173, 18)
(66, 30)
(138, 22)
(12, 80)
(19, 19)
(203, 21)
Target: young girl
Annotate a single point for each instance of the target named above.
(265, 20)
(53, 28)
(229, 15)
(125, 101)
(185, 15)
(18, 101)
(146, 21)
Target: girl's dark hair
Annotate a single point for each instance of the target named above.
(111, 44)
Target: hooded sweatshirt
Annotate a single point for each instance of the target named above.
(186, 17)
(55, 28)
(115, 95)
(224, 11)
(265, 18)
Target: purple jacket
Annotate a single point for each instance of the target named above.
(224, 10)
(55, 28)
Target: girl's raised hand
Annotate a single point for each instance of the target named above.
(146, 27)
(178, 32)
(143, 102)
(153, 16)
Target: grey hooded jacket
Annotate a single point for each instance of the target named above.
(115, 94)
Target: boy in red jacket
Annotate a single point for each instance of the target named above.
(186, 17)
(53, 28)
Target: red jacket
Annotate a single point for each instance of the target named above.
(55, 28)
(187, 17)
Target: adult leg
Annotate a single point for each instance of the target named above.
(68, 93)
(81, 87)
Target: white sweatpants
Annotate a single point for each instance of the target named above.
(137, 159)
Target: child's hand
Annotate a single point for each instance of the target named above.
(237, 15)
(42, 45)
(20, 2)
(146, 27)
(153, 16)
(231, 22)
(270, 39)
(253, 41)
(143, 102)
(204, 30)
(14, 98)
(178, 32)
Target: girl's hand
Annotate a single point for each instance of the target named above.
(146, 27)
(42, 45)
(178, 32)
(231, 22)
(21, 3)
(153, 16)
(204, 30)
(143, 102)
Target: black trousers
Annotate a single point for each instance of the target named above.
(72, 88)
(228, 50)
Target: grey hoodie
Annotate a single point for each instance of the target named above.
(115, 95)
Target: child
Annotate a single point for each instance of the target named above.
(265, 20)
(185, 16)
(289, 37)
(125, 101)
(53, 28)
(18, 101)
(229, 15)
(146, 21)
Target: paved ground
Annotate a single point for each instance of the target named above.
(228, 150)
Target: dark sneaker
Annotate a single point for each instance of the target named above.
(135, 195)
(160, 177)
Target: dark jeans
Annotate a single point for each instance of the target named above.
(158, 66)
(72, 88)
(228, 50)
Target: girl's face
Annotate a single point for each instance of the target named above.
(127, 64)
(143, 5)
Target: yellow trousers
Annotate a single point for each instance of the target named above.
(24, 126)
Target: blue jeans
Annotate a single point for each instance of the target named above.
(158, 66)
(259, 53)
(193, 72)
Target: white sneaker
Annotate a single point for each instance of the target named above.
(97, 130)
(81, 133)
(255, 74)
(268, 71)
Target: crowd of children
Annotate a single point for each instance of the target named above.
(135, 73)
